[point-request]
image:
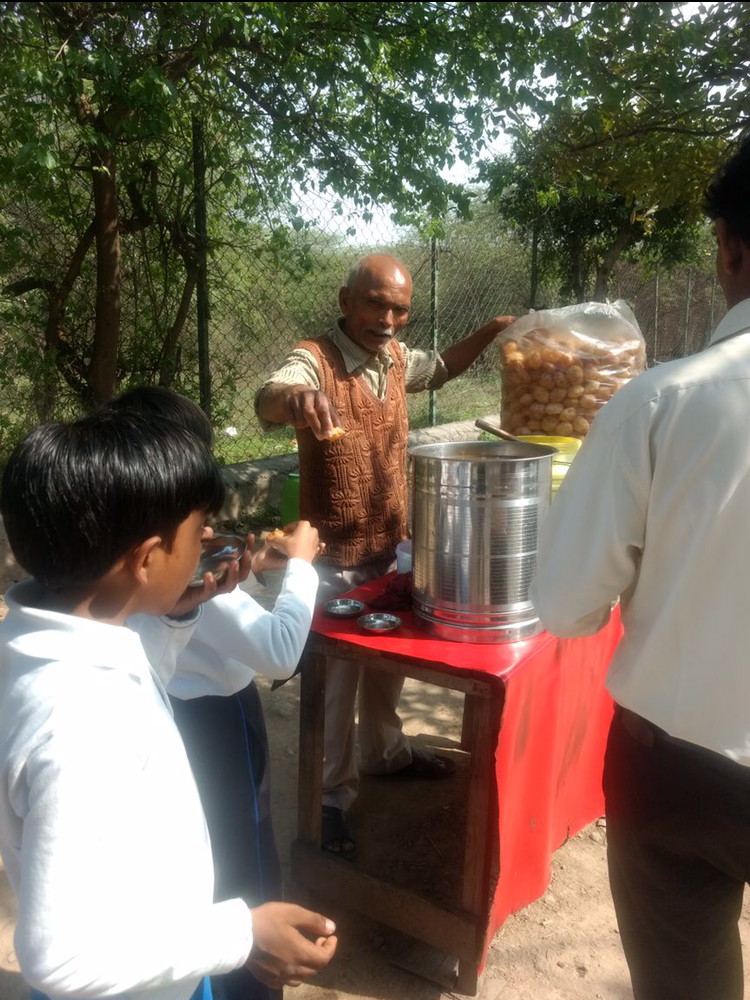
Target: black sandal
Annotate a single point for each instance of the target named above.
(334, 834)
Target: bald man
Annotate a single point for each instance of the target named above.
(354, 490)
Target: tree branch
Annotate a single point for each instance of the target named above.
(71, 368)
(169, 347)
(641, 130)
(28, 284)
(76, 262)
(141, 218)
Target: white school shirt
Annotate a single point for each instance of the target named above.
(655, 509)
(101, 827)
(234, 638)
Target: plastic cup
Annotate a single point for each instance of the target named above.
(403, 556)
(289, 507)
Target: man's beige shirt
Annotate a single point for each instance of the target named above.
(423, 369)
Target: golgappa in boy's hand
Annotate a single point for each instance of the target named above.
(296, 541)
(299, 540)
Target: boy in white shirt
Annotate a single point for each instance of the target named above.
(225, 738)
(101, 827)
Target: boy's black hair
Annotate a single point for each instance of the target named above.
(728, 195)
(156, 401)
(76, 497)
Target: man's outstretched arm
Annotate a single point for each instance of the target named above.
(460, 356)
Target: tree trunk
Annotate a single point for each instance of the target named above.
(58, 356)
(45, 391)
(578, 280)
(168, 365)
(577, 268)
(606, 265)
(103, 367)
(54, 357)
(601, 286)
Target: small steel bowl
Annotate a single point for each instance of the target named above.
(378, 622)
(218, 552)
(344, 607)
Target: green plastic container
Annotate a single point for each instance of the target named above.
(289, 507)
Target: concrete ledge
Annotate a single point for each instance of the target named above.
(253, 486)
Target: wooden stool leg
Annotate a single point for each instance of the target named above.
(476, 853)
(311, 729)
(468, 725)
(467, 980)
(476, 890)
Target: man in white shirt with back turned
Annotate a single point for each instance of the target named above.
(656, 511)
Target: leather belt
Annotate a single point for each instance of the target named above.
(639, 728)
(646, 732)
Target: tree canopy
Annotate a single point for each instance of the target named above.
(619, 168)
(98, 102)
(579, 227)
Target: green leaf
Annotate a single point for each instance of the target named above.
(46, 157)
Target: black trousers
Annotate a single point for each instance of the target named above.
(227, 746)
(678, 832)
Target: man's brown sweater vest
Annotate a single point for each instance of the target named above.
(354, 489)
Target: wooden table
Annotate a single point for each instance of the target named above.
(536, 715)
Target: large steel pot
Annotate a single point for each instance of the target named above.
(477, 507)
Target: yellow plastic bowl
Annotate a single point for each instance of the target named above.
(567, 448)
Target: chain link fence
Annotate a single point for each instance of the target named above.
(263, 302)
(275, 282)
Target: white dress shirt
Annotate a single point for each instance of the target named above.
(655, 509)
(101, 827)
(233, 638)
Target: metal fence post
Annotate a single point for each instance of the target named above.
(684, 347)
(434, 326)
(534, 277)
(656, 319)
(711, 309)
(199, 188)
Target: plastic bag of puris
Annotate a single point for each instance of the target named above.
(560, 366)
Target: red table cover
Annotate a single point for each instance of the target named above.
(549, 747)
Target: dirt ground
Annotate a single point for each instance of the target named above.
(565, 946)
